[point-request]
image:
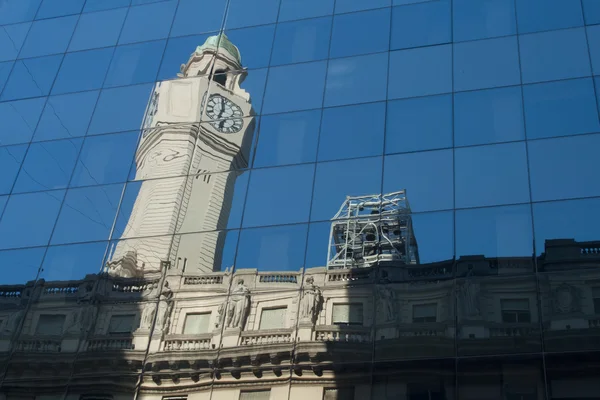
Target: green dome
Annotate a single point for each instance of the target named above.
(221, 40)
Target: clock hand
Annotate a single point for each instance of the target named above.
(222, 107)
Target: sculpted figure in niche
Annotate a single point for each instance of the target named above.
(165, 305)
(13, 322)
(147, 315)
(221, 314)
(310, 305)
(469, 295)
(387, 302)
(237, 307)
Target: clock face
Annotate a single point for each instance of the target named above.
(227, 114)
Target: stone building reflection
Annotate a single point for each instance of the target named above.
(165, 319)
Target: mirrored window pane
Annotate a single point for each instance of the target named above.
(559, 166)
(318, 244)
(298, 9)
(345, 6)
(419, 124)
(11, 158)
(136, 63)
(343, 131)
(430, 378)
(287, 138)
(14, 11)
(96, 5)
(474, 167)
(428, 185)
(497, 232)
(486, 63)
(480, 19)
(148, 22)
(295, 87)
(87, 214)
(5, 69)
(56, 8)
(11, 40)
(98, 29)
(73, 262)
(19, 119)
(373, 37)
(591, 12)
(242, 13)
(570, 375)
(83, 70)
(545, 15)
(50, 36)
(24, 264)
(279, 248)
(120, 109)
(216, 201)
(254, 84)
(48, 165)
(105, 159)
(149, 253)
(177, 52)
(66, 116)
(593, 36)
(420, 72)
(421, 24)
(299, 41)
(434, 236)
(352, 178)
(563, 226)
(488, 116)
(195, 17)
(554, 55)
(31, 77)
(204, 253)
(254, 44)
(560, 108)
(28, 219)
(347, 80)
(279, 195)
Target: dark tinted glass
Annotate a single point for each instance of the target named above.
(346, 40)
(421, 24)
(299, 41)
(480, 19)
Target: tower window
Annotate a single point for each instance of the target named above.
(424, 313)
(348, 314)
(515, 310)
(220, 77)
(51, 325)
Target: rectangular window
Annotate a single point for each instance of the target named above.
(344, 393)
(196, 323)
(121, 324)
(50, 324)
(596, 297)
(425, 312)
(348, 314)
(515, 310)
(273, 318)
(256, 395)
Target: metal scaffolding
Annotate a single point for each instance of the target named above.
(371, 230)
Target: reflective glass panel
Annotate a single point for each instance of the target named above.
(344, 6)
(28, 219)
(343, 131)
(593, 36)
(426, 177)
(48, 165)
(299, 41)
(434, 236)
(11, 158)
(421, 24)
(5, 69)
(419, 124)
(120, 109)
(486, 63)
(480, 19)
(335, 181)
(148, 22)
(11, 40)
(591, 11)
(560, 108)
(297, 9)
(19, 119)
(488, 116)
(558, 167)
(48, 36)
(56, 8)
(506, 163)
(31, 78)
(572, 375)
(136, 63)
(295, 87)
(420, 72)
(98, 29)
(278, 195)
(554, 55)
(251, 12)
(177, 52)
(254, 44)
(287, 138)
(279, 248)
(83, 70)
(66, 116)
(203, 253)
(105, 159)
(545, 15)
(96, 5)
(73, 262)
(373, 37)
(13, 11)
(195, 17)
(25, 265)
(347, 81)
(87, 214)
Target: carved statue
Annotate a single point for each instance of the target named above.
(469, 296)
(147, 315)
(13, 322)
(311, 302)
(165, 305)
(221, 315)
(74, 322)
(237, 306)
(387, 301)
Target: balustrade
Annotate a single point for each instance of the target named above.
(39, 345)
(110, 344)
(257, 338)
(339, 334)
(187, 344)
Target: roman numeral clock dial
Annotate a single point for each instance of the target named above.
(226, 114)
